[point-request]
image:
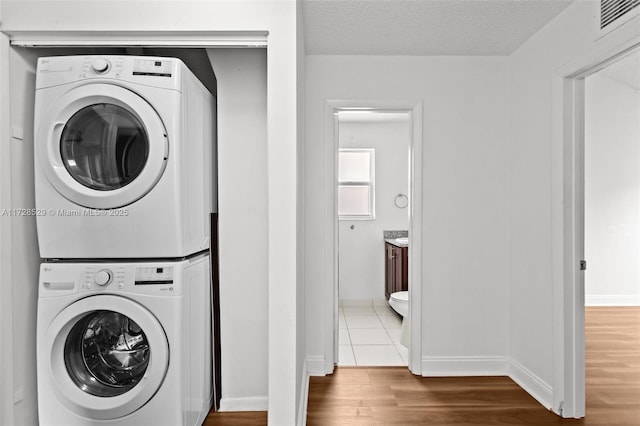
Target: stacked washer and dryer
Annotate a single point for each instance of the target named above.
(125, 192)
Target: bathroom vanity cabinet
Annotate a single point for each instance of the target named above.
(396, 268)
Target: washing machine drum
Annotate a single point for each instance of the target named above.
(108, 356)
(102, 146)
(106, 353)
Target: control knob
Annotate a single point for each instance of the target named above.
(103, 277)
(100, 65)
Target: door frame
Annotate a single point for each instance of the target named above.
(568, 222)
(414, 109)
(7, 396)
(10, 397)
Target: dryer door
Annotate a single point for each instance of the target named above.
(102, 146)
(108, 356)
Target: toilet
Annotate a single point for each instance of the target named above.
(399, 301)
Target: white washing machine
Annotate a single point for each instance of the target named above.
(124, 343)
(124, 158)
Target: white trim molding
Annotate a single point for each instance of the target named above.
(7, 396)
(532, 384)
(567, 215)
(416, 285)
(455, 366)
(304, 396)
(250, 403)
(207, 39)
(478, 366)
(612, 300)
(318, 366)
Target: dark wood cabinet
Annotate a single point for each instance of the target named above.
(396, 269)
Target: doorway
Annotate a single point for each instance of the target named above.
(569, 218)
(612, 237)
(612, 184)
(373, 183)
(376, 306)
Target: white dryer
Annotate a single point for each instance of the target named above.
(124, 158)
(124, 343)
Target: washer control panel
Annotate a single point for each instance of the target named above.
(101, 65)
(104, 276)
(161, 278)
(154, 275)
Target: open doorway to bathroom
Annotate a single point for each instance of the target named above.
(373, 186)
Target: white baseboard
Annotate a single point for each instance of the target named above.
(304, 396)
(317, 366)
(612, 300)
(253, 403)
(436, 366)
(532, 384)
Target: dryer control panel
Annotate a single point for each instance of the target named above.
(155, 67)
(147, 70)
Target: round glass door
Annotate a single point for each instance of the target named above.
(104, 147)
(106, 353)
(106, 356)
(101, 146)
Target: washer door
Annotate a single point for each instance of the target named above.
(102, 146)
(109, 356)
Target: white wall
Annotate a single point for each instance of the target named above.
(176, 18)
(531, 318)
(537, 190)
(302, 375)
(24, 248)
(361, 249)
(6, 297)
(465, 190)
(243, 232)
(612, 191)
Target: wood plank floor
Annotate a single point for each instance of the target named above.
(393, 396)
(236, 418)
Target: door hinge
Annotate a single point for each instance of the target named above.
(583, 265)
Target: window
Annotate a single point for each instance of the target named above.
(355, 184)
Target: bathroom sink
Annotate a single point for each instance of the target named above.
(402, 240)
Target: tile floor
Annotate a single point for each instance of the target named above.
(370, 335)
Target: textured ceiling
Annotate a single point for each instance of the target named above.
(423, 27)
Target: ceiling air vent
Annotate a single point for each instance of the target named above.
(612, 10)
